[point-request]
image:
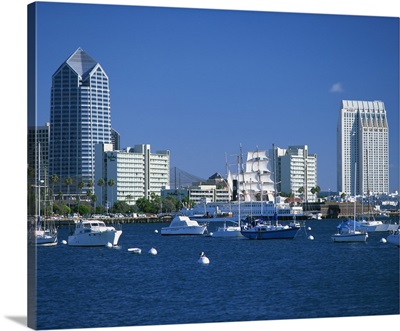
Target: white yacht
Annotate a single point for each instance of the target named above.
(94, 233)
(183, 225)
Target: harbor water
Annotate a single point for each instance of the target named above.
(246, 280)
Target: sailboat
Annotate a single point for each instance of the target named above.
(349, 231)
(261, 230)
(45, 231)
(371, 224)
(230, 231)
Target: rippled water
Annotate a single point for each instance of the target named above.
(246, 280)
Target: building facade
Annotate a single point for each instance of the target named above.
(362, 148)
(79, 117)
(133, 173)
(39, 136)
(297, 174)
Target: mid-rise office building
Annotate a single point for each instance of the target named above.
(135, 173)
(79, 118)
(297, 173)
(362, 148)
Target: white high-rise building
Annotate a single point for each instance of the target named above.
(135, 172)
(362, 148)
(297, 172)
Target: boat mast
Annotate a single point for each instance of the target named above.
(260, 183)
(238, 184)
(274, 167)
(39, 181)
(355, 193)
(368, 193)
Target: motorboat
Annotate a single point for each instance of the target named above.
(94, 233)
(261, 230)
(183, 225)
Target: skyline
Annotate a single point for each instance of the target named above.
(213, 80)
(14, 19)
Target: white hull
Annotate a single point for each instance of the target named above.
(184, 230)
(394, 239)
(254, 209)
(94, 233)
(183, 226)
(46, 240)
(350, 237)
(228, 232)
(95, 239)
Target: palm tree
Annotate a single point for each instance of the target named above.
(68, 182)
(54, 179)
(81, 185)
(94, 199)
(101, 182)
(111, 183)
(129, 198)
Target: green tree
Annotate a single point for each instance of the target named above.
(81, 185)
(101, 182)
(170, 204)
(144, 205)
(53, 179)
(68, 182)
(111, 183)
(121, 207)
(94, 199)
(83, 210)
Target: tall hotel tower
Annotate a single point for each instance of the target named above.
(79, 119)
(363, 141)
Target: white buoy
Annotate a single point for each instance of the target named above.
(155, 231)
(383, 240)
(135, 250)
(310, 237)
(203, 259)
(153, 251)
(64, 242)
(109, 245)
(309, 228)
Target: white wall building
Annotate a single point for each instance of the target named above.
(297, 170)
(135, 171)
(363, 139)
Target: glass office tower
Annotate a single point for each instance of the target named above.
(80, 118)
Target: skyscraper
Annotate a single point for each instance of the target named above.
(79, 118)
(362, 148)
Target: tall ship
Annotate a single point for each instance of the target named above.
(252, 194)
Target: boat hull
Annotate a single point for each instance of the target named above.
(46, 240)
(394, 239)
(94, 239)
(228, 232)
(350, 237)
(183, 231)
(260, 234)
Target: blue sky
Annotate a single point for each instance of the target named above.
(201, 82)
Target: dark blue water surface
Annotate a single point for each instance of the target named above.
(245, 280)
